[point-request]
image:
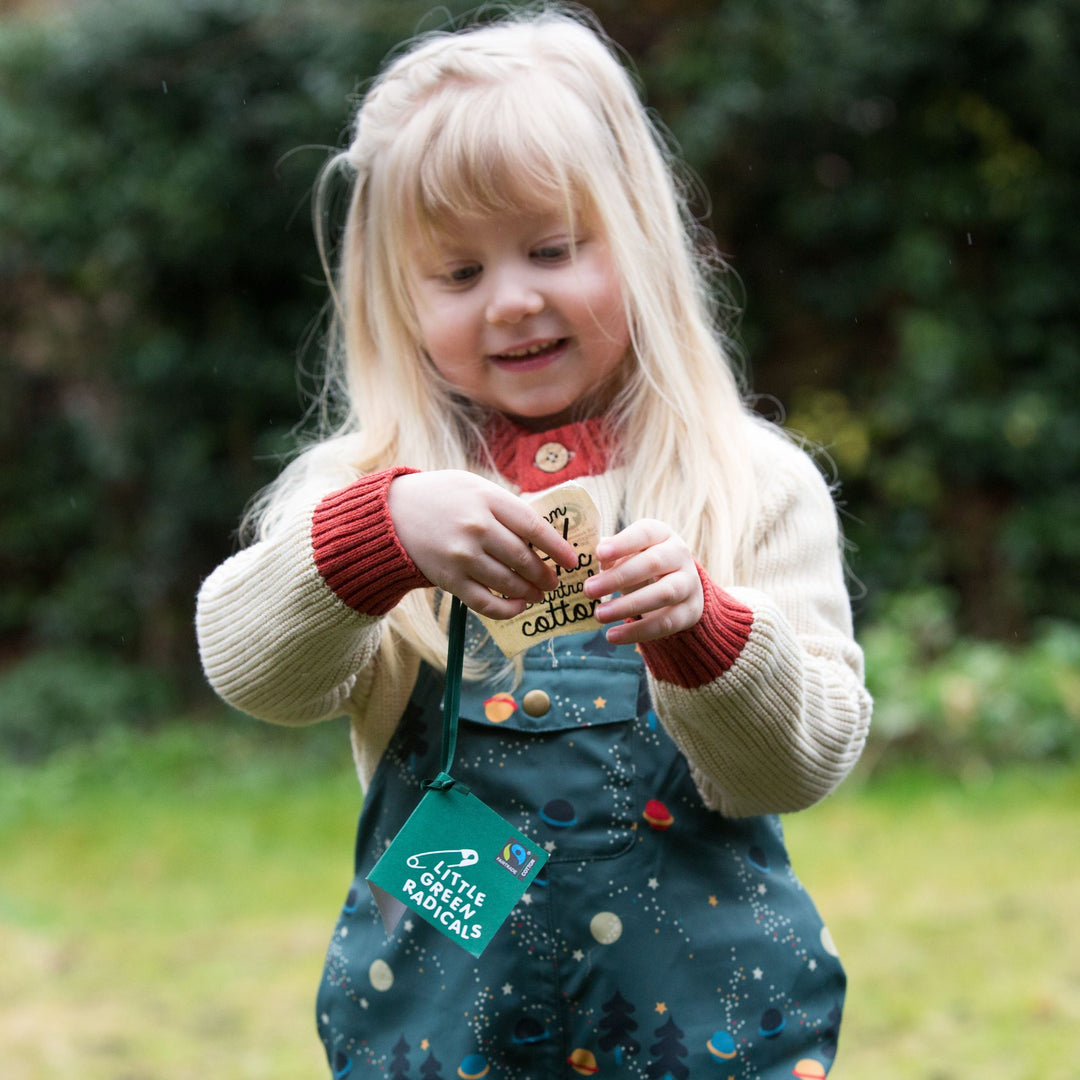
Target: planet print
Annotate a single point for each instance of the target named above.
(658, 815)
(473, 1067)
(827, 942)
(500, 707)
(772, 1023)
(757, 859)
(382, 978)
(342, 1066)
(606, 927)
(559, 814)
(583, 1061)
(809, 1069)
(529, 1030)
(721, 1045)
(350, 903)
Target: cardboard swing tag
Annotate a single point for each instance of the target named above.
(458, 865)
(566, 609)
(455, 862)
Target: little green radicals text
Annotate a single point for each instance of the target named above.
(449, 898)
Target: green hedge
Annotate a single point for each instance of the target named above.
(966, 704)
(893, 183)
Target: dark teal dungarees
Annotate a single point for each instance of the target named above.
(662, 939)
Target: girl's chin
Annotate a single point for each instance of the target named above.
(547, 421)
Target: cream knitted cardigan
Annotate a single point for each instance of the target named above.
(765, 697)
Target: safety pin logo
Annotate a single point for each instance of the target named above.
(467, 856)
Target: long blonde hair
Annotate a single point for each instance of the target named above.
(538, 105)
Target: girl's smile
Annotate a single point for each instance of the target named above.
(531, 357)
(520, 313)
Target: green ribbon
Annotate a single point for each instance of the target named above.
(455, 658)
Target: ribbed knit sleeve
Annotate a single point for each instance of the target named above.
(288, 627)
(696, 656)
(357, 550)
(765, 697)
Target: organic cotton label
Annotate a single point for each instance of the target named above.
(566, 609)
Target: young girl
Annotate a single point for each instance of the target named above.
(520, 302)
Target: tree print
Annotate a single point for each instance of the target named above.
(617, 1026)
(430, 1070)
(666, 1054)
(399, 1063)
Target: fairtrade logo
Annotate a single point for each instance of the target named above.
(516, 858)
(515, 853)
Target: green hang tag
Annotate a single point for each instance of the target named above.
(458, 865)
(455, 862)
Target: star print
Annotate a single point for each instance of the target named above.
(762, 890)
(661, 1008)
(578, 955)
(713, 901)
(653, 883)
(549, 846)
(408, 924)
(600, 703)
(424, 1044)
(507, 988)
(363, 1003)
(344, 931)
(758, 973)
(526, 899)
(812, 965)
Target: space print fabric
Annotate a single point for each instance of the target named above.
(661, 940)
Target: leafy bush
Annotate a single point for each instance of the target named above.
(893, 184)
(56, 698)
(158, 276)
(965, 703)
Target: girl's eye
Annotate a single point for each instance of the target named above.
(462, 275)
(552, 252)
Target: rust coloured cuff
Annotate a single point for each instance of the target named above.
(356, 548)
(697, 656)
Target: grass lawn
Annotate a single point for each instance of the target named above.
(165, 905)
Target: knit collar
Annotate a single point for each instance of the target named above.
(535, 460)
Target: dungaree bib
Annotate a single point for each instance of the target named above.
(662, 939)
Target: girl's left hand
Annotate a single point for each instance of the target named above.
(654, 570)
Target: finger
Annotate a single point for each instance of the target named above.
(670, 591)
(648, 628)
(520, 561)
(635, 571)
(527, 524)
(508, 581)
(636, 537)
(479, 598)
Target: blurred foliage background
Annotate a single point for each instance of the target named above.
(895, 186)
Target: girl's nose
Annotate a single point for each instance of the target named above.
(512, 300)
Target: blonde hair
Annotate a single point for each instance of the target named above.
(535, 105)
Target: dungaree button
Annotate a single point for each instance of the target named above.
(536, 703)
(551, 457)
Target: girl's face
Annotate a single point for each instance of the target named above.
(516, 318)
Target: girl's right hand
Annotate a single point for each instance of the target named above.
(476, 540)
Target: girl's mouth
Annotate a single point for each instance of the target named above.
(530, 357)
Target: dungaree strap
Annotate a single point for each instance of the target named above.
(455, 656)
